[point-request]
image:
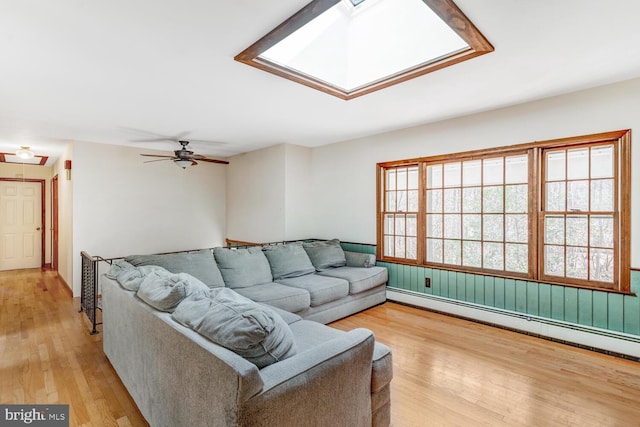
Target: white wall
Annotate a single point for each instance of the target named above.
(344, 174)
(122, 206)
(298, 192)
(10, 170)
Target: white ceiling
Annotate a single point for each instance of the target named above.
(112, 71)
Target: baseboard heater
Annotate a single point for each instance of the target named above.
(604, 341)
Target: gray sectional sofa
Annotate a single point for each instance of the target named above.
(240, 339)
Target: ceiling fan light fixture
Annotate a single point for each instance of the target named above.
(183, 163)
(24, 153)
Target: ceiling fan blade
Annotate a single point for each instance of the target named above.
(222, 162)
(159, 160)
(154, 155)
(151, 140)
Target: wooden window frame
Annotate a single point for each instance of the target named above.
(622, 211)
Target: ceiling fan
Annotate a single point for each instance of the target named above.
(184, 157)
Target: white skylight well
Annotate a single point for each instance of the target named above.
(352, 47)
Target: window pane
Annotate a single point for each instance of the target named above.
(434, 225)
(434, 250)
(554, 260)
(401, 180)
(391, 179)
(577, 231)
(452, 226)
(492, 171)
(601, 231)
(413, 178)
(412, 248)
(400, 249)
(602, 265)
(554, 230)
(602, 162)
(577, 265)
(452, 252)
(471, 173)
(412, 225)
(472, 254)
(492, 228)
(401, 201)
(555, 196)
(471, 200)
(399, 225)
(413, 201)
(516, 258)
(516, 198)
(602, 195)
(555, 165)
(471, 227)
(578, 196)
(516, 228)
(391, 201)
(388, 246)
(388, 224)
(578, 163)
(434, 200)
(452, 200)
(516, 170)
(493, 256)
(492, 199)
(434, 176)
(452, 175)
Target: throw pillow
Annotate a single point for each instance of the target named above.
(242, 268)
(164, 290)
(288, 261)
(200, 265)
(325, 254)
(230, 320)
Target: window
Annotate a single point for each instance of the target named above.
(554, 211)
(348, 48)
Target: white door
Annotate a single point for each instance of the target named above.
(20, 225)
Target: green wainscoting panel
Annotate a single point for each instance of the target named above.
(510, 294)
(585, 307)
(606, 310)
(557, 302)
(544, 300)
(533, 297)
(571, 305)
(616, 313)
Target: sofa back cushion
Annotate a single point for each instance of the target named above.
(242, 268)
(230, 320)
(288, 261)
(325, 254)
(164, 291)
(200, 265)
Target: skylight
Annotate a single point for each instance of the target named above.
(351, 47)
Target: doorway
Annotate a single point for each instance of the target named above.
(22, 219)
(54, 223)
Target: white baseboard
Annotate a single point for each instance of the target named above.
(603, 339)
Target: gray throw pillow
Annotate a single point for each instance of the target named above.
(200, 265)
(289, 260)
(242, 268)
(325, 254)
(164, 291)
(230, 320)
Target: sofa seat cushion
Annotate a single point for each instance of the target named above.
(288, 260)
(382, 368)
(242, 268)
(251, 330)
(360, 279)
(322, 289)
(164, 291)
(199, 264)
(284, 297)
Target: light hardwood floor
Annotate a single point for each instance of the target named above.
(447, 371)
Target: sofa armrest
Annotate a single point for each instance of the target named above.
(357, 259)
(327, 383)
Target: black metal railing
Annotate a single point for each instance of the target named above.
(89, 294)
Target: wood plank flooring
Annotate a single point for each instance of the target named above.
(447, 371)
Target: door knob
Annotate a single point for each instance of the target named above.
(38, 229)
